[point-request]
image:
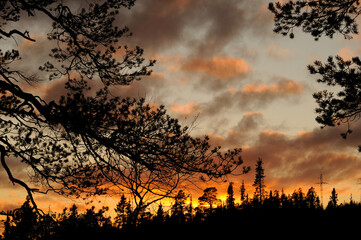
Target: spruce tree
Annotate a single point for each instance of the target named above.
(333, 199)
(259, 181)
(230, 196)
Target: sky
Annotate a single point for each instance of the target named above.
(222, 70)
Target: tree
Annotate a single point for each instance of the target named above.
(24, 223)
(89, 224)
(273, 201)
(89, 142)
(316, 17)
(312, 199)
(230, 196)
(178, 207)
(159, 217)
(209, 197)
(244, 197)
(121, 211)
(259, 181)
(333, 200)
(328, 17)
(298, 198)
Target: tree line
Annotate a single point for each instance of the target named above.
(264, 208)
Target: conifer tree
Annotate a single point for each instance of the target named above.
(159, 218)
(312, 199)
(259, 193)
(178, 207)
(121, 211)
(243, 191)
(230, 196)
(333, 199)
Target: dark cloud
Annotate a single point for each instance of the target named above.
(253, 96)
(204, 26)
(242, 133)
(296, 161)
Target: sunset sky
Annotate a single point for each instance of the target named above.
(221, 69)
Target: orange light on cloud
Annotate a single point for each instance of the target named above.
(346, 53)
(279, 53)
(220, 67)
(284, 86)
(186, 109)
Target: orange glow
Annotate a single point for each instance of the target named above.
(346, 53)
(220, 67)
(286, 86)
(186, 109)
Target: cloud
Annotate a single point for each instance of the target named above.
(219, 67)
(346, 53)
(298, 160)
(190, 108)
(293, 161)
(278, 53)
(205, 27)
(282, 87)
(241, 134)
(253, 96)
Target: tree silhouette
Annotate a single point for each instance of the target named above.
(230, 196)
(244, 197)
(327, 17)
(258, 183)
(24, 223)
(298, 199)
(318, 18)
(160, 216)
(286, 213)
(312, 199)
(89, 141)
(343, 106)
(121, 211)
(209, 197)
(333, 200)
(178, 208)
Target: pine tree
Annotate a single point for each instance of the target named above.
(209, 196)
(259, 193)
(243, 192)
(159, 217)
(333, 199)
(189, 214)
(121, 211)
(179, 206)
(230, 196)
(24, 223)
(312, 198)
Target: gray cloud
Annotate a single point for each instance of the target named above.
(253, 96)
(204, 26)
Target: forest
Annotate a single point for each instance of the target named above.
(265, 212)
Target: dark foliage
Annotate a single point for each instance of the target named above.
(345, 105)
(287, 214)
(88, 140)
(317, 17)
(327, 17)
